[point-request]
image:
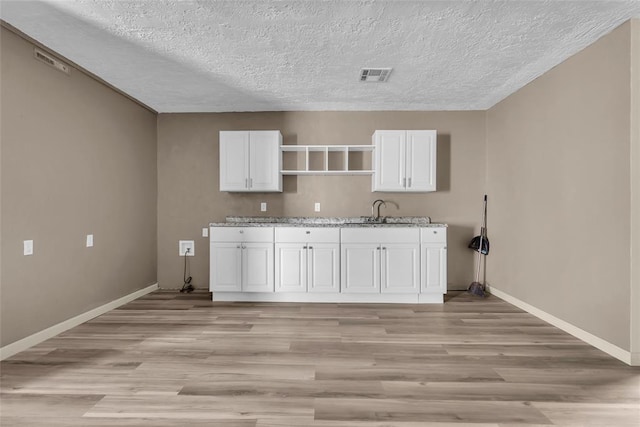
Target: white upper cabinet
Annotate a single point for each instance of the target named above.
(250, 161)
(405, 160)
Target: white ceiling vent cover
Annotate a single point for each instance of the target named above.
(378, 75)
(50, 60)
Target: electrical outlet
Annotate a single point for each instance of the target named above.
(28, 247)
(187, 247)
(205, 232)
(263, 207)
(317, 207)
(89, 240)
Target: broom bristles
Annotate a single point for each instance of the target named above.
(476, 288)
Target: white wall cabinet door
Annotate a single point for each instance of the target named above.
(400, 268)
(225, 270)
(234, 161)
(434, 268)
(323, 267)
(360, 268)
(405, 161)
(390, 160)
(264, 161)
(291, 267)
(257, 267)
(250, 161)
(421, 160)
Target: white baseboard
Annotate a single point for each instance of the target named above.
(23, 344)
(328, 297)
(627, 357)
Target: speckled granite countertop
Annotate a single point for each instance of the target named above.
(270, 221)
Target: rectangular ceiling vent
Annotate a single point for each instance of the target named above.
(378, 75)
(52, 61)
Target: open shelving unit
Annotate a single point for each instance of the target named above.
(327, 159)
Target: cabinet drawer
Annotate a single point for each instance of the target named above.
(380, 235)
(433, 235)
(307, 235)
(241, 234)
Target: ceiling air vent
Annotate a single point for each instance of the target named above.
(52, 61)
(375, 74)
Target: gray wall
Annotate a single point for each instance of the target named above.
(77, 158)
(635, 190)
(559, 186)
(188, 180)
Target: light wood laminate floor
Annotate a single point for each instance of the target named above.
(170, 359)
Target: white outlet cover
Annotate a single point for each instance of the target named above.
(317, 207)
(28, 247)
(183, 245)
(263, 207)
(205, 231)
(89, 240)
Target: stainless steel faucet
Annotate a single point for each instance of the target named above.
(380, 202)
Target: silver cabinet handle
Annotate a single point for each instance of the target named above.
(250, 182)
(310, 247)
(409, 183)
(304, 247)
(308, 232)
(384, 248)
(238, 247)
(378, 248)
(246, 183)
(241, 231)
(404, 182)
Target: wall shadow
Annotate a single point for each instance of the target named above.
(443, 168)
(460, 257)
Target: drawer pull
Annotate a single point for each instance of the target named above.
(308, 232)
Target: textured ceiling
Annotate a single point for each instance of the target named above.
(210, 56)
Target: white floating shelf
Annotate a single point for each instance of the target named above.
(323, 172)
(336, 164)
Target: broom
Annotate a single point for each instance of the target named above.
(480, 244)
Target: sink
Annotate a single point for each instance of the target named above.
(388, 220)
(407, 220)
(365, 220)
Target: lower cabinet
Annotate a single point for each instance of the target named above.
(380, 268)
(400, 268)
(241, 259)
(433, 260)
(359, 264)
(310, 263)
(434, 268)
(360, 268)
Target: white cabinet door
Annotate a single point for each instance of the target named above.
(291, 267)
(323, 267)
(264, 161)
(234, 161)
(400, 268)
(360, 268)
(390, 158)
(250, 161)
(434, 268)
(225, 270)
(257, 267)
(421, 157)
(405, 161)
